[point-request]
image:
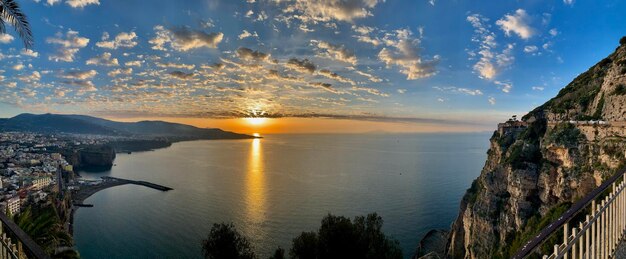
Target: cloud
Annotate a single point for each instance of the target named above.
(530, 49)
(175, 65)
(68, 46)
(184, 39)
(337, 52)
(122, 40)
(78, 74)
(18, 67)
(29, 52)
(328, 10)
(568, 2)
(460, 90)
(504, 86)
(181, 75)
(518, 23)
(133, 63)
(120, 71)
(492, 100)
(81, 3)
(248, 54)
(6, 38)
(246, 34)
(538, 88)
(490, 60)
(405, 52)
(103, 60)
(304, 65)
(553, 32)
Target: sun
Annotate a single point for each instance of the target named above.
(256, 121)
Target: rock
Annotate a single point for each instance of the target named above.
(432, 245)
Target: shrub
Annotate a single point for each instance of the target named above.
(620, 90)
(622, 41)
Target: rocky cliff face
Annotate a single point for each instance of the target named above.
(533, 174)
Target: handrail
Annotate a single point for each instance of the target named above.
(34, 250)
(531, 245)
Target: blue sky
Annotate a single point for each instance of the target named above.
(401, 61)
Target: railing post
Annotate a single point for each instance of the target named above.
(587, 241)
(601, 231)
(594, 212)
(581, 241)
(573, 248)
(565, 237)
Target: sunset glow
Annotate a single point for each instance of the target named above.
(256, 121)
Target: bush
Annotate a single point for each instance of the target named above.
(620, 90)
(622, 41)
(225, 242)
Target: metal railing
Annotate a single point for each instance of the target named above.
(15, 243)
(598, 235)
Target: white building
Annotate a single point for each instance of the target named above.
(13, 205)
(42, 182)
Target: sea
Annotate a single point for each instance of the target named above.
(274, 188)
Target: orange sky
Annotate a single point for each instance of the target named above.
(315, 125)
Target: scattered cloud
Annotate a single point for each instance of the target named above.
(248, 54)
(78, 74)
(336, 52)
(538, 88)
(530, 49)
(504, 86)
(329, 10)
(79, 3)
(246, 34)
(459, 90)
(404, 51)
(492, 100)
(304, 65)
(6, 38)
(29, 52)
(122, 40)
(518, 23)
(491, 60)
(103, 60)
(67, 46)
(184, 39)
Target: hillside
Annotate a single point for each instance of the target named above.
(535, 173)
(80, 124)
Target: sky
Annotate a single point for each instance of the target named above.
(306, 66)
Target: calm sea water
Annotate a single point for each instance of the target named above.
(274, 188)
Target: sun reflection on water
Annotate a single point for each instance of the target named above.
(255, 184)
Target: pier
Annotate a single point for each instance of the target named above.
(107, 182)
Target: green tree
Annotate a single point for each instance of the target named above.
(304, 246)
(11, 13)
(225, 242)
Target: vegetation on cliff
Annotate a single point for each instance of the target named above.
(43, 225)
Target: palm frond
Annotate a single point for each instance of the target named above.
(12, 13)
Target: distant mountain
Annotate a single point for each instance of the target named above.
(81, 124)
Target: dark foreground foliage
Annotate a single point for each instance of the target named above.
(337, 237)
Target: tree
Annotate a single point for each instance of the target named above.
(622, 41)
(304, 246)
(225, 242)
(11, 13)
(278, 254)
(339, 237)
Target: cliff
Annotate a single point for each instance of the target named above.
(96, 157)
(533, 173)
